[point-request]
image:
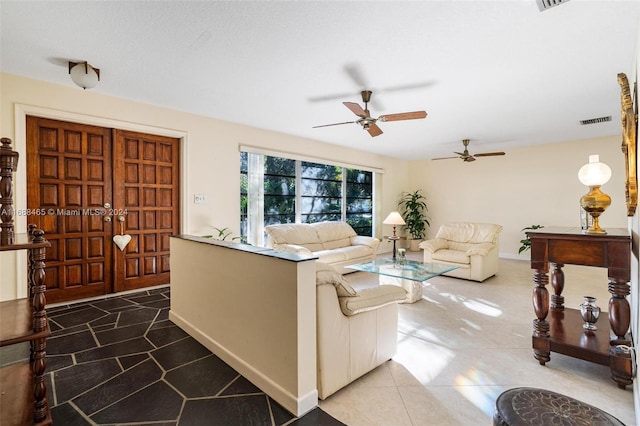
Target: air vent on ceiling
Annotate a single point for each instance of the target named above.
(595, 120)
(548, 4)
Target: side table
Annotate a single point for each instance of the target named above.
(559, 329)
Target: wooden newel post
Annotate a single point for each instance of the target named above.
(8, 165)
(38, 350)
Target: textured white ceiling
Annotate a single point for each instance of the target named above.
(500, 73)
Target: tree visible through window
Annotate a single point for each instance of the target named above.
(290, 191)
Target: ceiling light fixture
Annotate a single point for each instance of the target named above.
(83, 74)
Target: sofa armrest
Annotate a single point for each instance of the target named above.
(292, 248)
(480, 249)
(434, 245)
(371, 298)
(363, 240)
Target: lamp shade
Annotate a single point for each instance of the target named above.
(594, 173)
(84, 75)
(394, 218)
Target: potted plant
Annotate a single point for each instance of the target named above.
(526, 242)
(413, 208)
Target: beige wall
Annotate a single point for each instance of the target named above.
(530, 185)
(210, 151)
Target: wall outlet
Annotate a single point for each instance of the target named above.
(199, 199)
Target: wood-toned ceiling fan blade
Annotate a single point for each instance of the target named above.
(488, 154)
(374, 130)
(334, 124)
(356, 109)
(403, 116)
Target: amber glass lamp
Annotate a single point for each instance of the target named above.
(594, 174)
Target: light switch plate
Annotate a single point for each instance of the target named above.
(199, 199)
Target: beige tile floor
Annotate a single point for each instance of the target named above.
(463, 344)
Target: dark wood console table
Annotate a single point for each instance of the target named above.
(557, 329)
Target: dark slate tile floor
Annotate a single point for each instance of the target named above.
(120, 361)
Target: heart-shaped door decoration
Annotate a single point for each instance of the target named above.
(122, 240)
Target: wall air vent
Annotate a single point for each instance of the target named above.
(548, 4)
(595, 120)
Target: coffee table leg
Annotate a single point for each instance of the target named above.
(413, 288)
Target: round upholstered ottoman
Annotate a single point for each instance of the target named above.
(532, 406)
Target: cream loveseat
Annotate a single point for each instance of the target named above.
(335, 243)
(472, 247)
(356, 331)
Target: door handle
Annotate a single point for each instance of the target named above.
(107, 219)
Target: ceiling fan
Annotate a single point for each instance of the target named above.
(369, 123)
(465, 156)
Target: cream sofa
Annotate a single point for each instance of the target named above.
(335, 243)
(472, 247)
(356, 331)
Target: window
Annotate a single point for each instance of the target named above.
(282, 190)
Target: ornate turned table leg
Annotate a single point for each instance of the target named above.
(619, 311)
(557, 282)
(540, 338)
(619, 317)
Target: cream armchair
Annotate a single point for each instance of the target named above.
(472, 247)
(356, 331)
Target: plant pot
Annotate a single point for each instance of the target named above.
(414, 245)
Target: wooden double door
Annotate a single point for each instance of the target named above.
(87, 185)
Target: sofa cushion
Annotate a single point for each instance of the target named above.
(354, 252)
(463, 247)
(303, 234)
(469, 232)
(334, 234)
(453, 256)
(326, 274)
(330, 256)
(371, 298)
(335, 244)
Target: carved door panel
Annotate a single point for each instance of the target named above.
(68, 183)
(146, 196)
(81, 180)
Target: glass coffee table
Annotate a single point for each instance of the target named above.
(409, 274)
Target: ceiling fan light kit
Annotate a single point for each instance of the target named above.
(367, 122)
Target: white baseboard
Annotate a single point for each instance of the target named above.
(512, 256)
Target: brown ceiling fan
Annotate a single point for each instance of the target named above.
(465, 156)
(369, 123)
